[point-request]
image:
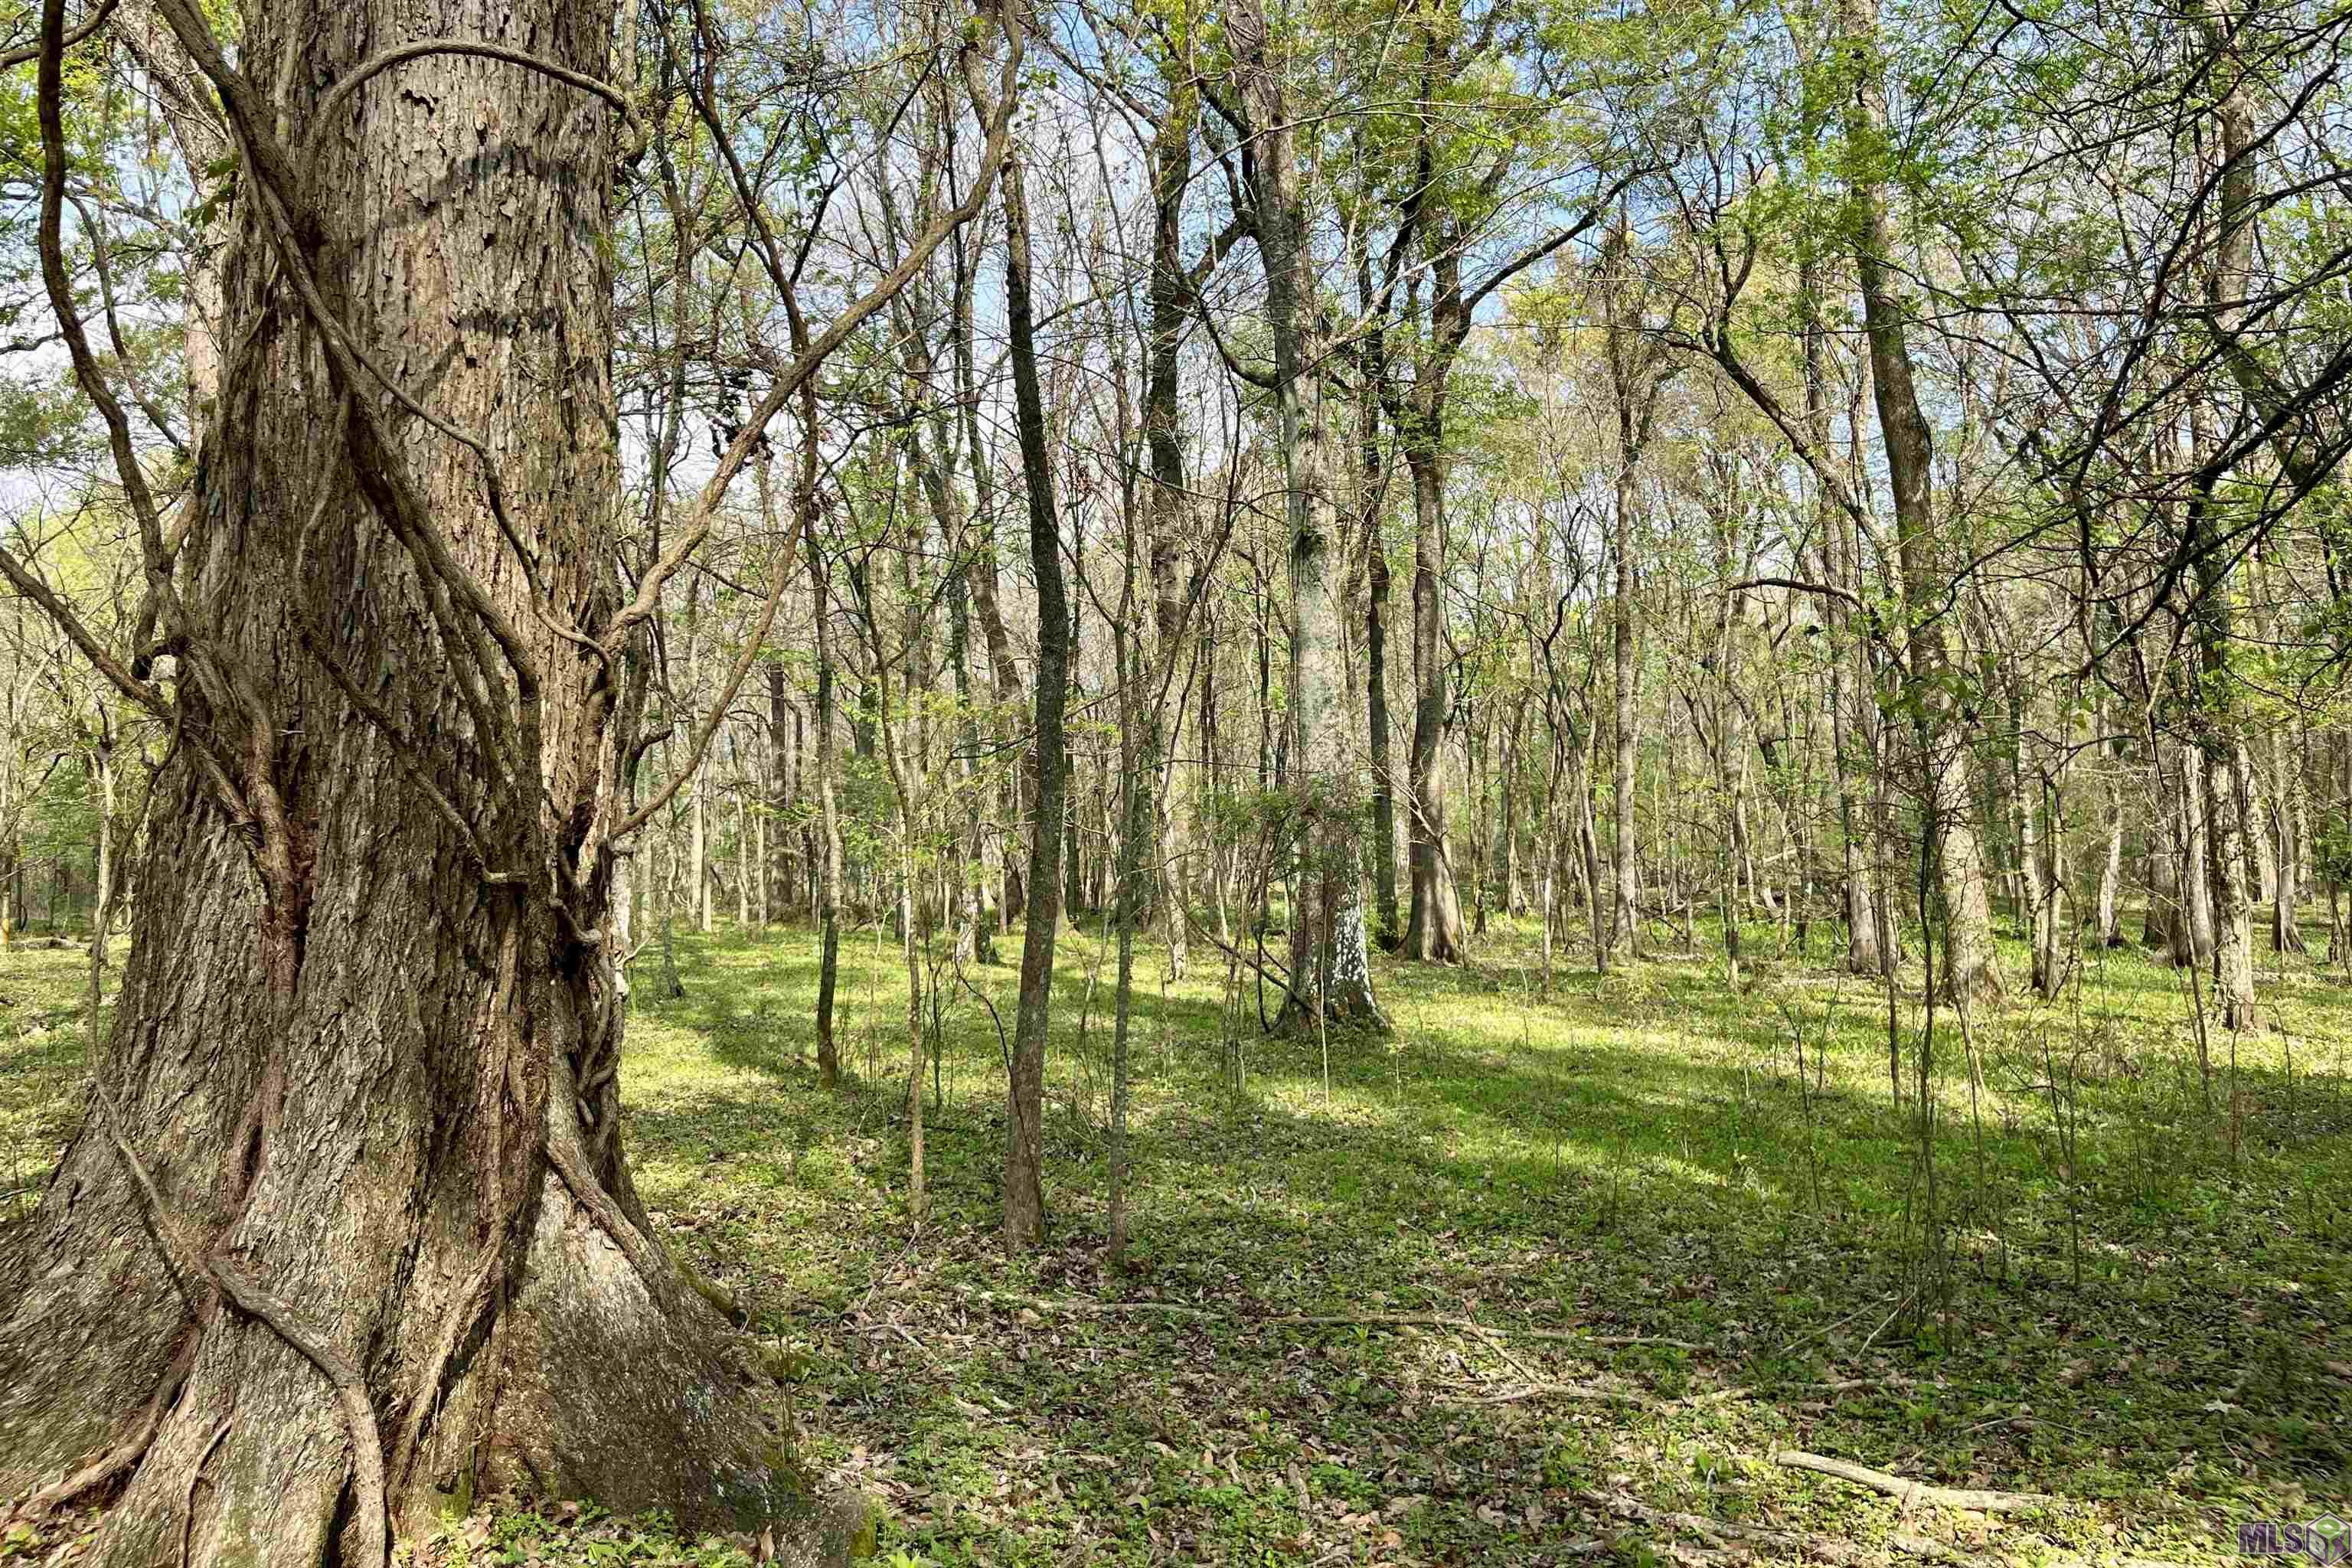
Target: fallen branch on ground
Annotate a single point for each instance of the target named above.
(1907, 1493)
(1573, 1390)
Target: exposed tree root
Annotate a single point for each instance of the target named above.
(462, 1312)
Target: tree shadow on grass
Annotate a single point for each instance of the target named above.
(1627, 1181)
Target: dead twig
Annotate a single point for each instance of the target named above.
(1907, 1493)
(1584, 1391)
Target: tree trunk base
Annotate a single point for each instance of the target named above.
(1347, 1010)
(597, 1374)
(1977, 985)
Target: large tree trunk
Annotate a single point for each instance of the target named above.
(391, 1245)
(1164, 513)
(1330, 969)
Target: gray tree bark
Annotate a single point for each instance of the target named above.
(1330, 969)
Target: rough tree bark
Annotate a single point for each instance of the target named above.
(349, 1224)
(1632, 384)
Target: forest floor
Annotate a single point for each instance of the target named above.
(1670, 1229)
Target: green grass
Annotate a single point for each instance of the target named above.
(2138, 1300)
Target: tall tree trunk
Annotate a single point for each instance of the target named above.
(1331, 968)
(1515, 894)
(349, 1218)
(1625, 886)
(828, 875)
(1025, 1194)
(1433, 930)
(1969, 969)
(1164, 513)
(1633, 384)
(1371, 372)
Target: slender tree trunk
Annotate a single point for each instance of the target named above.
(1024, 1195)
(2197, 838)
(1372, 369)
(1433, 931)
(1625, 888)
(746, 864)
(2025, 811)
(1514, 896)
(828, 877)
(697, 875)
(1968, 970)
(2109, 915)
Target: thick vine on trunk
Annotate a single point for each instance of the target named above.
(349, 1229)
